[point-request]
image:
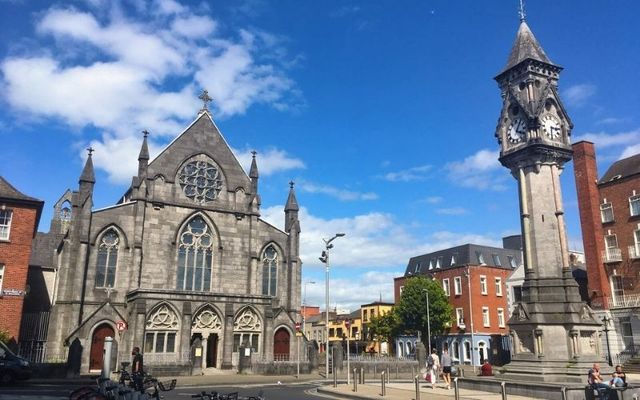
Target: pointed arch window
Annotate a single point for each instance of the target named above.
(270, 262)
(195, 254)
(107, 262)
(161, 331)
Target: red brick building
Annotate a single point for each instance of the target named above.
(610, 221)
(19, 218)
(473, 277)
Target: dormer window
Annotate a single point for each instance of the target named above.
(431, 263)
(453, 260)
(439, 262)
(480, 257)
(417, 268)
(606, 212)
(496, 260)
(512, 261)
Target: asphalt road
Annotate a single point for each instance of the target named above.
(26, 391)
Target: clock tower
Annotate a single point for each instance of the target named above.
(555, 335)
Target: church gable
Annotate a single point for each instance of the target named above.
(199, 157)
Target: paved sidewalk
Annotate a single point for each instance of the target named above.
(406, 391)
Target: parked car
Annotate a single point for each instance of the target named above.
(12, 367)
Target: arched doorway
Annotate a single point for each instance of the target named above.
(281, 344)
(482, 352)
(207, 329)
(97, 345)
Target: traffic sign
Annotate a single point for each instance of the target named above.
(297, 326)
(121, 326)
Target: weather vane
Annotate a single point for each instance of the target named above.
(521, 11)
(205, 99)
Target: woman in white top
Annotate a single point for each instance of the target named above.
(433, 365)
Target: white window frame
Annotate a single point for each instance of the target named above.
(2, 269)
(610, 249)
(467, 351)
(636, 244)
(6, 216)
(496, 260)
(480, 257)
(605, 208)
(417, 268)
(446, 287)
(635, 199)
(460, 317)
(438, 262)
(457, 286)
(486, 318)
(501, 322)
(513, 263)
(498, 282)
(431, 262)
(401, 290)
(453, 259)
(483, 285)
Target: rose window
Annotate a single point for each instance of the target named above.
(200, 181)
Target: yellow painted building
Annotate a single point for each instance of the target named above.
(368, 311)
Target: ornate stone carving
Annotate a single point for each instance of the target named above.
(200, 181)
(206, 319)
(248, 321)
(163, 318)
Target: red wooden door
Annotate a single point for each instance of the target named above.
(281, 342)
(97, 345)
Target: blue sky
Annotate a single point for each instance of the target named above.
(383, 112)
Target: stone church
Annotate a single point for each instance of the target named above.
(182, 266)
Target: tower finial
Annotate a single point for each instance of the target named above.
(145, 133)
(204, 96)
(291, 184)
(253, 153)
(90, 150)
(521, 11)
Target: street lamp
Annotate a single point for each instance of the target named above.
(304, 305)
(606, 321)
(426, 292)
(324, 258)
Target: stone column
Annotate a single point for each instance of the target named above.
(228, 337)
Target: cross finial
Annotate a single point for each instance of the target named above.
(253, 153)
(291, 184)
(145, 133)
(90, 150)
(108, 291)
(204, 96)
(521, 11)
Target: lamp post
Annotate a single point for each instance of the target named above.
(426, 292)
(304, 305)
(606, 320)
(324, 258)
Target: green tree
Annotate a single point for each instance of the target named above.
(384, 327)
(4, 336)
(412, 310)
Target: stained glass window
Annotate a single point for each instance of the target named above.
(200, 181)
(195, 253)
(269, 271)
(107, 259)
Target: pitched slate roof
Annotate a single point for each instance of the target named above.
(525, 47)
(622, 169)
(8, 192)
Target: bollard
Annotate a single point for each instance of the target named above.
(456, 389)
(388, 375)
(384, 387)
(396, 371)
(355, 381)
(335, 378)
(362, 375)
(416, 382)
(106, 357)
(503, 390)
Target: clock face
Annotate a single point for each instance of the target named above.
(516, 131)
(551, 127)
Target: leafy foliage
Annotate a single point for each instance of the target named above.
(4, 336)
(384, 327)
(412, 310)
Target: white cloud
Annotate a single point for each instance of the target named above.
(340, 194)
(577, 95)
(434, 199)
(375, 244)
(630, 151)
(479, 171)
(452, 211)
(411, 174)
(270, 161)
(112, 73)
(603, 139)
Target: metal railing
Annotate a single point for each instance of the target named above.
(612, 254)
(625, 301)
(625, 355)
(634, 251)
